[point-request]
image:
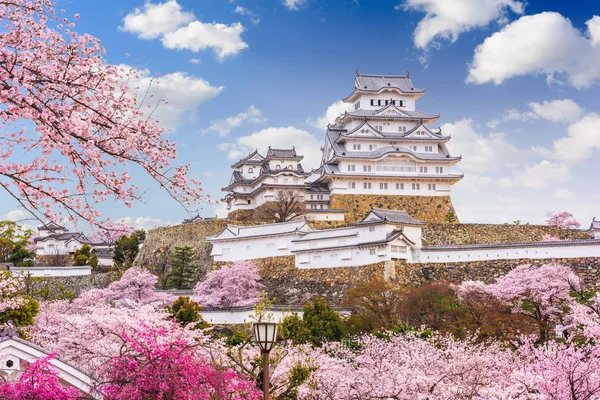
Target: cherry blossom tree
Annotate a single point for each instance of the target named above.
(159, 364)
(562, 220)
(40, 382)
(232, 285)
(540, 293)
(87, 124)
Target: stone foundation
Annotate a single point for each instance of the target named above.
(432, 209)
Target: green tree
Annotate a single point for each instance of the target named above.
(450, 217)
(20, 256)
(84, 256)
(319, 323)
(186, 312)
(13, 242)
(127, 248)
(183, 269)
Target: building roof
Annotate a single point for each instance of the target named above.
(376, 114)
(253, 158)
(375, 83)
(64, 237)
(595, 226)
(235, 232)
(282, 153)
(390, 237)
(379, 215)
(51, 226)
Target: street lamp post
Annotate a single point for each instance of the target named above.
(265, 335)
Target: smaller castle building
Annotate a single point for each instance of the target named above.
(258, 179)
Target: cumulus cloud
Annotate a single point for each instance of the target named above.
(294, 5)
(194, 60)
(182, 93)
(145, 223)
(182, 31)
(481, 152)
(564, 111)
(447, 19)
(224, 126)
(332, 112)
(244, 11)
(540, 175)
(305, 143)
(582, 138)
(541, 44)
(564, 194)
(17, 215)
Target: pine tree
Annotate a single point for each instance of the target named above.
(183, 269)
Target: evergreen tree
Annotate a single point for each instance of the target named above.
(127, 248)
(84, 256)
(319, 323)
(183, 269)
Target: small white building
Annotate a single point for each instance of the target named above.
(594, 230)
(257, 179)
(238, 243)
(383, 235)
(53, 239)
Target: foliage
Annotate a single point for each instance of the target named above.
(85, 256)
(238, 337)
(83, 109)
(13, 304)
(186, 312)
(12, 235)
(319, 323)
(184, 271)
(562, 220)
(151, 367)
(450, 217)
(21, 257)
(232, 285)
(38, 382)
(126, 249)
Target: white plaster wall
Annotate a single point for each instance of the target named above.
(250, 248)
(499, 253)
(52, 272)
(53, 247)
(340, 258)
(243, 316)
(339, 185)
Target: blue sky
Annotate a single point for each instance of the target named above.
(515, 83)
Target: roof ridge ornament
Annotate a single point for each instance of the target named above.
(407, 73)
(357, 73)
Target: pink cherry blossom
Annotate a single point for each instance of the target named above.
(233, 285)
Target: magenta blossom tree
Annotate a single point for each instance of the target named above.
(38, 382)
(562, 220)
(233, 285)
(154, 365)
(88, 127)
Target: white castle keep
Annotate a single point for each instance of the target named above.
(383, 147)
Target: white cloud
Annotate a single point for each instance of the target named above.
(17, 215)
(143, 222)
(474, 182)
(565, 110)
(194, 60)
(182, 93)
(244, 11)
(305, 143)
(182, 31)
(515, 115)
(583, 137)
(493, 124)
(156, 19)
(294, 5)
(224, 126)
(447, 19)
(505, 182)
(546, 44)
(481, 152)
(565, 194)
(541, 174)
(332, 112)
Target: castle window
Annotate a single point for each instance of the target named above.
(321, 206)
(357, 105)
(289, 166)
(270, 245)
(366, 185)
(399, 186)
(371, 252)
(275, 180)
(372, 102)
(371, 229)
(423, 170)
(413, 148)
(278, 166)
(250, 170)
(402, 129)
(372, 147)
(383, 185)
(311, 196)
(416, 186)
(402, 103)
(366, 168)
(429, 149)
(431, 186)
(439, 170)
(351, 168)
(351, 185)
(378, 102)
(356, 146)
(295, 180)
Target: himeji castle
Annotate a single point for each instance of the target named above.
(257, 179)
(384, 145)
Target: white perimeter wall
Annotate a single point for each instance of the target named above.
(572, 250)
(52, 272)
(232, 316)
(250, 248)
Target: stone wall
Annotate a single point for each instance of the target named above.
(440, 234)
(424, 208)
(160, 243)
(56, 288)
(587, 268)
